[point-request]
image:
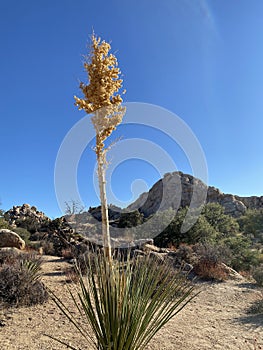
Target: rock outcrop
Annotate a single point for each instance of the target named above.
(252, 202)
(25, 215)
(232, 205)
(11, 239)
(179, 190)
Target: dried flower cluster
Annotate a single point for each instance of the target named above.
(101, 95)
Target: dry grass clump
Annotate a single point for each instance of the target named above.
(20, 283)
(209, 262)
(210, 270)
(67, 253)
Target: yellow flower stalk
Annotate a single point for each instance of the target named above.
(102, 100)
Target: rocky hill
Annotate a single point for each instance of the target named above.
(177, 189)
(174, 190)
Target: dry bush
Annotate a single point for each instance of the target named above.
(210, 270)
(8, 256)
(20, 279)
(48, 248)
(186, 254)
(82, 263)
(71, 275)
(67, 253)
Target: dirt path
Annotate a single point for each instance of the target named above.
(215, 319)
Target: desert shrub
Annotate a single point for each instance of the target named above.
(214, 253)
(214, 214)
(209, 270)
(202, 232)
(81, 265)
(48, 248)
(20, 280)
(243, 257)
(4, 223)
(8, 256)
(209, 265)
(252, 224)
(205, 229)
(257, 274)
(131, 219)
(172, 234)
(211, 226)
(82, 262)
(28, 223)
(67, 253)
(184, 254)
(71, 275)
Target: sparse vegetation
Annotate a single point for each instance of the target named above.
(130, 219)
(20, 283)
(3, 222)
(23, 233)
(252, 224)
(222, 233)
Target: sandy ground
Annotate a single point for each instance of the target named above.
(216, 319)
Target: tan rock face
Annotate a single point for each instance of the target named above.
(176, 190)
(9, 238)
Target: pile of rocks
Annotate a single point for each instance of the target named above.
(18, 214)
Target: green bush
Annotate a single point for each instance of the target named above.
(243, 256)
(252, 224)
(4, 224)
(225, 225)
(201, 231)
(131, 219)
(23, 233)
(28, 223)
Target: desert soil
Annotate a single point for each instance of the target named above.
(216, 319)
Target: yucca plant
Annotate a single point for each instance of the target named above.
(125, 304)
(33, 267)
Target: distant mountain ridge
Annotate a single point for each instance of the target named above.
(177, 189)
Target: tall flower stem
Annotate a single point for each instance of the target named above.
(104, 207)
(103, 100)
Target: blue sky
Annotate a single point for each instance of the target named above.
(202, 60)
